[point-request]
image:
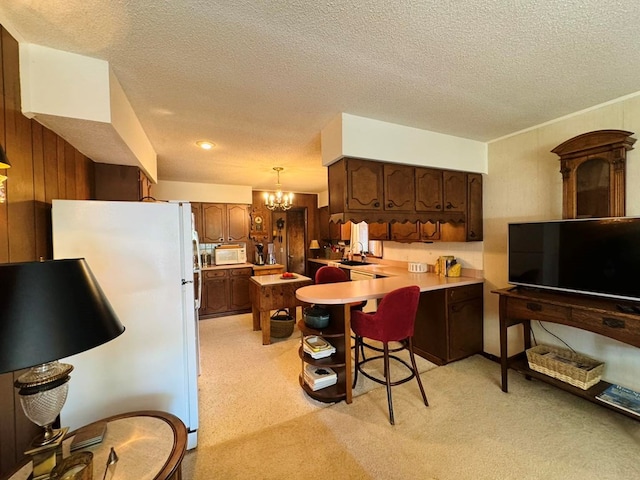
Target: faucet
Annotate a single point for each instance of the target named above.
(363, 256)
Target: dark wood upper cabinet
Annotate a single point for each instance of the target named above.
(399, 188)
(213, 223)
(237, 223)
(428, 189)
(474, 211)
(454, 186)
(222, 222)
(417, 203)
(364, 185)
(379, 231)
(593, 168)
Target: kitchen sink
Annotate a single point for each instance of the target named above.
(353, 263)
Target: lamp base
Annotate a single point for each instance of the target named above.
(52, 444)
(44, 457)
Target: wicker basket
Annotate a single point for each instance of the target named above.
(282, 324)
(567, 366)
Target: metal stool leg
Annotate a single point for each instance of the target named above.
(356, 363)
(415, 370)
(387, 376)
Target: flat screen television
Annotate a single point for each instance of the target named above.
(596, 256)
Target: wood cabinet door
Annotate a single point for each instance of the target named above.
(213, 222)
(399, 188)
(474, 210)
(379, 231)
(323, 224)
(215, 294)
(364, 185)
(429, 231)
(455, 191)
(237, 223)
(239, 289)
(345, 231)
(429, 190)
(465, 329)
(335, 230)
(405, 232)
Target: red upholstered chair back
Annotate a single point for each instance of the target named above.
(329, 274)
(395, 318)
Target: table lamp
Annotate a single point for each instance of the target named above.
(314, 245)
(50, 310)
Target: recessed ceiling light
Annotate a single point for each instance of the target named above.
(205, 145)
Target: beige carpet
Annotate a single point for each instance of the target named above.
(256, 423)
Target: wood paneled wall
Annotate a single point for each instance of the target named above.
(303, 201)
(43, 167)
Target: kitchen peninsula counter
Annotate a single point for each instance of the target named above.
(349, 292)
(448, 327)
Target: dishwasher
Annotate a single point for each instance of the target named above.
(371, 305)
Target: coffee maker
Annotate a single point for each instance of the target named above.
(259, 254)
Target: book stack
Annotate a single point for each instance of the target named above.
(319, 377)
(621, 397)
(317, 347)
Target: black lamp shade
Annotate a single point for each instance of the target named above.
(51, 310)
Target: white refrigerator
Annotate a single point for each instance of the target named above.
(142, 254)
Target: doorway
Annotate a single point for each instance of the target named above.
(297, 240)
(290, 239)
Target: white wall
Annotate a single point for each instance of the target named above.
(469, 254)
(525, 184)
(202, 192)
(360, 137)
(80, 99)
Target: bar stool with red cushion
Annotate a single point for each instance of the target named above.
(393, 322)
(329, 274)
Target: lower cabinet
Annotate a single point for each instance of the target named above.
(449, 324)
(225, 291)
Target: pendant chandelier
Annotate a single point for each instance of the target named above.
(278, 200)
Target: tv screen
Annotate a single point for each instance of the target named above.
(592, 256)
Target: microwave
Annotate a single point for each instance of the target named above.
(230, 255)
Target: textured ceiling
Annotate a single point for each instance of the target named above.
(262, 78)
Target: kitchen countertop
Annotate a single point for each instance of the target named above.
(267, 267)
(276, 278)
(393, 277)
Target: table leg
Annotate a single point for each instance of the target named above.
(255, 313)
(347, 354)
(265, 324)
(293, 310)
(504, 366)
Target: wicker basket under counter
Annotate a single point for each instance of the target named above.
(567, 366)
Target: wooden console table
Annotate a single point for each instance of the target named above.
(596, 314)
(271, 292)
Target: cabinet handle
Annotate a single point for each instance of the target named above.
(221, 239)
(534, 307)
(613, 322)
(390, 205)
(376, 204)
(449, 206)
(472, 234)
(438, 206)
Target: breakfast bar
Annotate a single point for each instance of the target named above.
(337, 297)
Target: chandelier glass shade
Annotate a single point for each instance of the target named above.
(278, 200)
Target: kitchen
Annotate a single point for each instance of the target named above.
(46, 166)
